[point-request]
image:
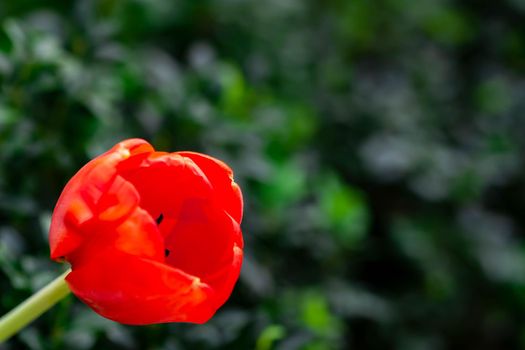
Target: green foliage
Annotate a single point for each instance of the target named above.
(270, 334)
(343, 211)
(379, 145)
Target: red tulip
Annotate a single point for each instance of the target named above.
(151, 237)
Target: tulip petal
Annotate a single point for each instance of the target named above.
(164, 181)
(203, 244)
(136, 291)
(118, 201)
(221, 177)
(138, 235)
(77, 204)
(79, 200)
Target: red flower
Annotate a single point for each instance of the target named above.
(152, 237)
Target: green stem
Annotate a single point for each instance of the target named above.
(33, 307)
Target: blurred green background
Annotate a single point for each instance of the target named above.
(379, 144)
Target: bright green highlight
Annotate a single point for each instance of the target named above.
(271, 334)
(33, 307)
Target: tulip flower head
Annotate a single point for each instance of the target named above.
(151, 237)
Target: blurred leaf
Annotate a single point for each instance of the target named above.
(315, 313)
(343, 211)
(233, 94)
(492, 96)
(268, 336)
(448, 25)
(285, 185)
(419, 242)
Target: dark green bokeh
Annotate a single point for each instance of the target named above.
(379, 145)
